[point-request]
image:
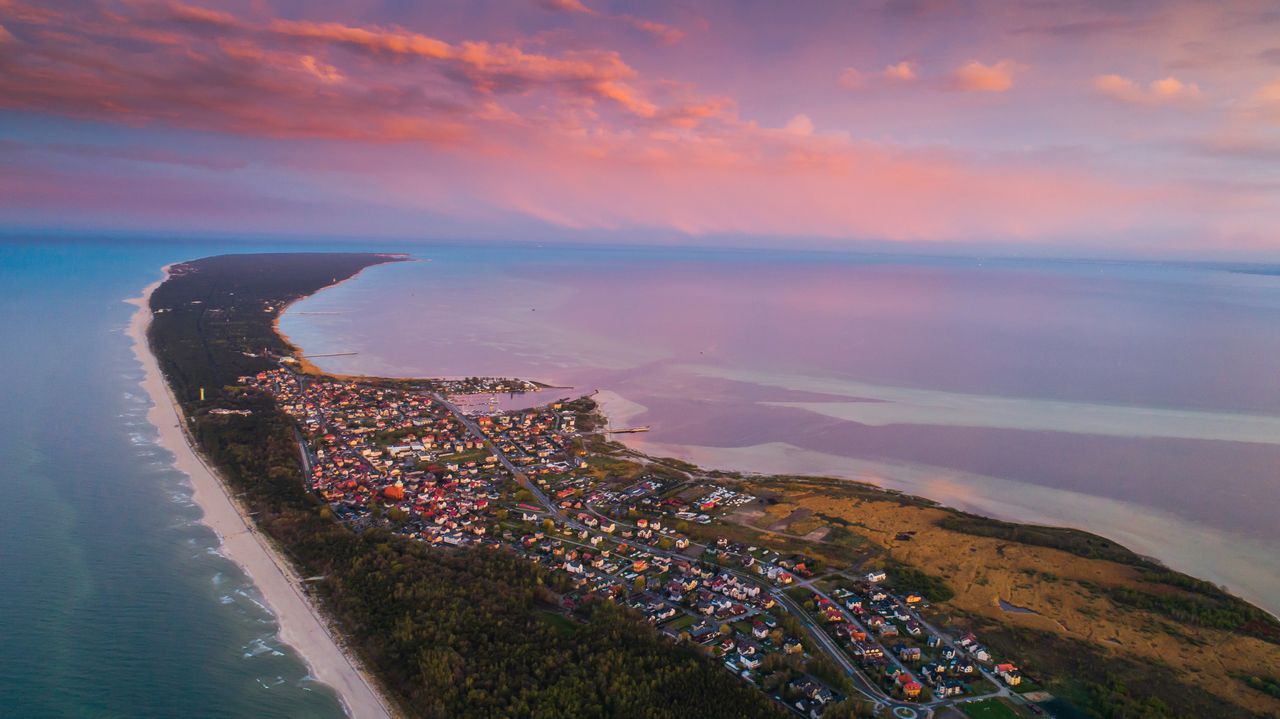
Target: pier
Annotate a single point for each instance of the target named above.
(630, 430)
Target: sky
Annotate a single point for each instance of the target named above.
(1048, 126)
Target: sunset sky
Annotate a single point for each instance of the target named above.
(1060, 126)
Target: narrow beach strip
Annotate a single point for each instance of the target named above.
(300, 624)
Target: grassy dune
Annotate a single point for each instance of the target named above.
(1098, 612)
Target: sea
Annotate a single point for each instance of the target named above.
(1137, 400)
(114, 601)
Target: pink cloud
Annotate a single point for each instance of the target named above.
(898, 72)
(975, 76)
(799, 125)
(904, 71)
(1264, 104)
(797, 182)
(320, 69)
(190, 66)
(1158, 92)
(662, 32)
(27, 14)
(570, 6)
(574, 129)
(195, 14)
(852, 78)
(376, 40)
(490, 67)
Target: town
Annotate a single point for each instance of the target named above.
(406, 457)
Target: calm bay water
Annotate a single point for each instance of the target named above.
(116, 603)
(1140, 401)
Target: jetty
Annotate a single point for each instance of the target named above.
(630, 430)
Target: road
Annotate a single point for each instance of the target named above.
(860, 681)
(1001, 689)
(505, 461)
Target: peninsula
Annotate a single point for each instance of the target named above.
(524, 564)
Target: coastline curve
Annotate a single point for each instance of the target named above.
(300, 623)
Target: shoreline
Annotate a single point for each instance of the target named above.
(305, 365)
(1156, 535)
(300, 624)
(1161, 537)
(612, 405)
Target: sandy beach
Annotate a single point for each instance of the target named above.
(300, 624)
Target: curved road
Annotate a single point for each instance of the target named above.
(863, 684)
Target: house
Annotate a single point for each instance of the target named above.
(867, 651)
(703, 630)
(909, 686)
(851, 632)
(877, 576)
(950, 688)
(813, 690)
(1009, 673)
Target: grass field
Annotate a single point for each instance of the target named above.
(682, 622)
(988, 709)
(562, 624)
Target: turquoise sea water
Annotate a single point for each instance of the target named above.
(113, 601)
